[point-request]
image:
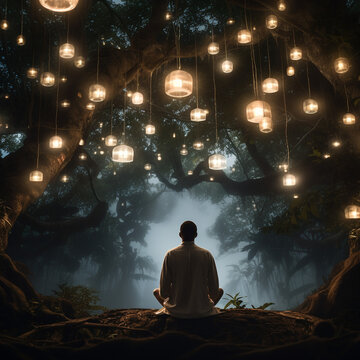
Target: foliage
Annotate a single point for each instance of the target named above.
(237, 302)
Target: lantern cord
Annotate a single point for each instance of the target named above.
(293, 32)
(49, 55)
(268, 55)
(226, 57)
(137, 79)
(215, 105)
(57, 99)
(124, 123)
(22, 17)
(97, 66)
(67, 30)
(196, 75)
(38, 131)
(246, 23)
(347, 98)
(150, 96)
(254, 71)
(285, 110)
(111, 116)
(260, 66)
(308, 79)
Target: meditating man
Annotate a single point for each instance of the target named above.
(189, 284)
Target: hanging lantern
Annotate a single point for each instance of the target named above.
(349, 119)
(244, 36)
(184, 150)
(59, 5)
(217, 162)
(290, 71)
(159, 157)
(149, 129)
(168, 15)
(281, 5)
(67, 51)
(295, 53)
(81, 142)
(326, 156)
(258, 110)
(284, 167)
(64, 179)
(36, 176)
(190, 172)
(65, 103)
(271, 22)
(211, 178)
(123, 154)
(352, 212)
(174, 135)
(178, 84)
(4, 24)
(47, 79)
(129, 93)
(227, 66)
(79, 62)
(20, 40)
(97, 93)
(90, 106)
(336, 143)
(310, 106)
(110, 140)
(270, 85)
(341, 65)
(198, 145)
(63, 79)
(265, 125)
(213, 48)
(147, 167)
(55, 142)
(289, 180)
(32, 73)
(82, 156)
(198, 115)
(137, 98)
(230, 21)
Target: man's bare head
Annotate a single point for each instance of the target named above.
(188, 231)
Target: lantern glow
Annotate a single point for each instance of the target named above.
(178, 84)
(265, 125)
(64, 179)
(230, 21)
(271, 22)
(90, 106)
(149, 129)
(137, 98)
(63, 79)
(4, 24)
(198, 115)
(281, 5)
(290, 71)
(110, 140)
(81, 142)
(213, 48)
(79, 62)
(20, 40)
(67, 51)
(310, 106)
(341, 65)
(97, 93)
(227, 66)
(244, 36)
(32, 73)
(36, 176)
(184, 150)
(147, 167)
(123, 154)
(82, 156)
(198, 145)
(190, 172)
(257, 111)
(47, 79)
(352, 212)
(65, 103)
(270, 85)
(284, 167)
(349, 119)
(295, 53)
(59, 5)
(217, 162)
(289, 180)
(55, 142)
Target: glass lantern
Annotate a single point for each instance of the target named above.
(79, 62)
(4, 24)
(65, 103)
(97, 93)
(290, 71)
(281, 5)
(227, 66)
(289, 180)
(349, 119)
(190, 172)
(184, 150)
(198, 145)
(149, 129)
(336, 143)
(217, 162)
(137, 98)
(178, 84)
(271, 22)
(310, 106)
(67, 51)
(63, 79)
(352, 212)
(284, 167)
(55, 142)
(257, 111)
(159, 157)
(265, 125)
(244, 36)
(295, 53)
(111, 140)
(341, 65)
(198, 115)
(82, 142)
(32, 73)
(230, 21)
(270, 85)
(147, 167)
(90, 106)
(47, 79)
(168, 15)
(59, 5)
(36, 176)
(213, 48)
(20, 40)
(82, 156)
(65, 179)
(123, 154)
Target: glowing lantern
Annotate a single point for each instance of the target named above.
(67, 51)
(20, 40)
(63, 79)
(79, 62)
(296, 196)
(270, 85)
(32, 73)
(352, 212)
(271, 22)
(159, 157)
(47, 79)
(336, 143)
(289, 180)
(82, 156)
(97, 93)
(211, 178)
(198, 114)
(123, 154)
(284, 167)
(341, 65)
(290, 71)
(281, 5)
(244, 36)
(36, 176)
(227, 66)
(64, 179)
(147, 167)
(349, 119)
(190, 172)
(149, 129)
(59, 5)
(295, 53)
(4, 24)
(198, 145)
(82, 142)
(230, 21)
(65, 103)
(217, 162)
(184, 150)
(326, 156)
(137, 98)
(213, 48)
(265, 125)
(168, 15)
(310, 106)
(178, 84)
(129, 93)
(90, 106)
(257, 111)
(110, 140)
(55, 142)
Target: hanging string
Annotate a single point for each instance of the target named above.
(150, 102)
(124, 122)
(137, 79)
(285, 110)
(260, 65)
(347, 98)
(308, 79)
(268, 55)
(179, 64)
(293, 32)
(49, 54)
(196, 76)
(215, 105)
(67, 31)
(246, 23)
(98, 61)
(57, 99)
(38, 131)
(226, 57)
(111, 116)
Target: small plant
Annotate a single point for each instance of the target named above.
(235, 301)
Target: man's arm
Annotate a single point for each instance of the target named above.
(165, 278)
(213, 280)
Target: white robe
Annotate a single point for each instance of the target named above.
(188, 281)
